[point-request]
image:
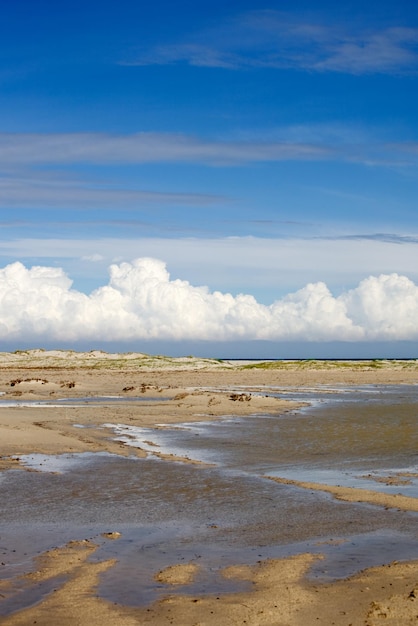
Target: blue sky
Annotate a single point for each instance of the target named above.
(263, 152)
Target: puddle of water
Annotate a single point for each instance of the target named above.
(26, 596)
(344, 556)
(154, 440)
(141, 555)
(354, 431)
(77, 402)
(341, 557)
(60, 462)
(143, 551)
(111, 399)
(374, 481)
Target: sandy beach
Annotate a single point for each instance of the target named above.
(143, 392)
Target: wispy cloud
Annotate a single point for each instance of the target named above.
(34, 193)
(146, 148)
(141, 301)
(273, 39)
(38, 169)
(384, 237)
(295, 143)
(93, 258)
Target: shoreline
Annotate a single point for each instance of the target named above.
(171, 392)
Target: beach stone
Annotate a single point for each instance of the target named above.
(112, 535)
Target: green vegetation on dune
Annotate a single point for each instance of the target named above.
(97, 359)
(318, 364)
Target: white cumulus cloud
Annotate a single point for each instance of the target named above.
(140, 301)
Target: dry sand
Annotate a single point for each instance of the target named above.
(174, 390)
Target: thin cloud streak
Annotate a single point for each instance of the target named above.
(32, 193)
(303, 143)
(384, 237)
(276, 40)
(146, 147)
(141, 301)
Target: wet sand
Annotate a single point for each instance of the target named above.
(67, 580)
